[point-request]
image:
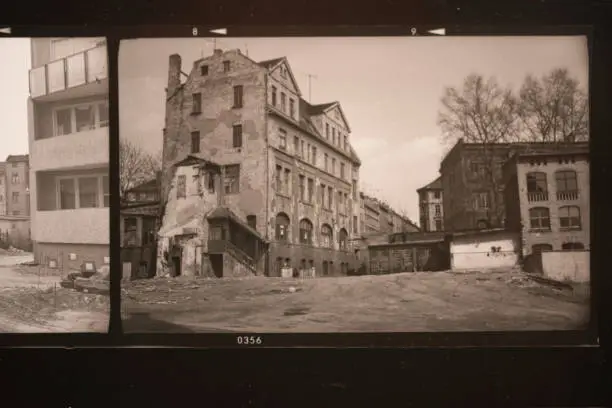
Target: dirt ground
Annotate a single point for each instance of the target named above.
(406, 302)
(32, 301)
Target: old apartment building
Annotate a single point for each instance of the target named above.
(255, 179)
(547, 199)
(68, 146)
(431, 209)
(376, 217)
(15, 201)
(472, 182)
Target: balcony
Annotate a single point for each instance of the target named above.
(537, 196)
(568, 195)
(79, 75)
(75, 150)
(80, 226)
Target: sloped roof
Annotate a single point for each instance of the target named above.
(320, 108)
(17, 158)
(271, 62)
(434, 185)
(147, 185)
(224, 212)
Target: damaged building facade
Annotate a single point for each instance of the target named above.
(256, 181)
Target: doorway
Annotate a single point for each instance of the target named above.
(216, 261)
(176, 265)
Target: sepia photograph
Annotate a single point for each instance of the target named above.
(351, 184)
(54, 186)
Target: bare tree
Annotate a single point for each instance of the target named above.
(553, 108)
(481, 112)
(135, 166)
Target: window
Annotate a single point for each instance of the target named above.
(354, 189)
(310, 190)
(355, 224)
(288, 181)
(88, 192)
(326, 236)
(238, 96)
(16, 212)
(80, 118)
(292, 108)
(333, 135)
(339, 201)
(273, 96)
(326, 163)
(314, 155)
(303, 153)
(572, 246)
(327, 131)
(237, 136)
(438, 225)
(333, 169)
(481, 201)
(342, 170)
(15, 178)
(279, 181)
(82, 192)
(195, 142)
(330, 197)
(305, 231)
(283, 102)
(252, 221)
(232, 179)
(539, 218)
(536, 183)
(226, 66)
(302, 188)
(149, 227)
(566, 181)
(539, 248)
(210, 177)
(345, 142)
(130, 228)
(181, 186)
(437, 195)
(569, 217)
(204, 70)
(476, 168)
(15, 197)
(322, 194)
(197, 103)
(282, 136)
(343, 240)
(438, 210)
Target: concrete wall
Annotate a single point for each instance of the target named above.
(556, 236)
(43, 252)
(75, 150)
(475, 252)
(573, 266)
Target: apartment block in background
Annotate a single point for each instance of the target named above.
(68, 146)
(15, 201)
(547, 199)
(431, 209)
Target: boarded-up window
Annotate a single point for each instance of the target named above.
(238, 96)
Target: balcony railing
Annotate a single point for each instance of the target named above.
(65, 73)
(537, 196)
(567, 195)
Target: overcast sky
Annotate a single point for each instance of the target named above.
(388, 87)
(14, 68)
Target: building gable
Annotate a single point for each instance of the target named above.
(282, 73)
(336, 114)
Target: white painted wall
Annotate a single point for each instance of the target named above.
(573, 266)
(475, 253)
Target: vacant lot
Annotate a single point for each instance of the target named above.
(404, 302)
(32, 301)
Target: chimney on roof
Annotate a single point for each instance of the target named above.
(174, 73)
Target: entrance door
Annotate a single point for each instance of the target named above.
(176, 265)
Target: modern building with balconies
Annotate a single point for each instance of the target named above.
(68, 147)
(547, 199)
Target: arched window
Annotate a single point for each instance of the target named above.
(569, 217)
(572, 246)
(326, 236)
(539, 218)
(343, 239)
(537, 188)
(567, 182)
(282, 227)
(305, 231)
